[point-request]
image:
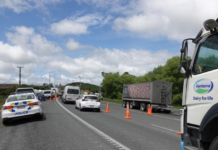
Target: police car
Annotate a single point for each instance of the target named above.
(19, 106)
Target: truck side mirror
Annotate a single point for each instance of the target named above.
(184, 50)
(181, 69)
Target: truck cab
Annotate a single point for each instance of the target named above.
(199, 118)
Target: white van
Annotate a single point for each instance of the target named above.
(70, 94)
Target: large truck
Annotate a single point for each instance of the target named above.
(157, 93)
(199, 118)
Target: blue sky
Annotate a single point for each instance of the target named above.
(86, 37)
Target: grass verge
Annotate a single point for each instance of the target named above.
(2, 99)
(178, 107)
(118, 101)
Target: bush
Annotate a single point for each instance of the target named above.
(177, 99)
(119, 96)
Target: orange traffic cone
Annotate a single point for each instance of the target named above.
(127, 112)
(107, 109)
(55, 97)
(50, 99)
(149, 112)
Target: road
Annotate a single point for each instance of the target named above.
(64, 127)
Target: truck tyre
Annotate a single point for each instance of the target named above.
(214, 144)
(124, 104)
(131, 105)
(142, 106)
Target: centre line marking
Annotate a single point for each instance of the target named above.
(102, 134)
(164, 128)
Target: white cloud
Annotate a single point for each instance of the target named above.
(68, 27)
(175, 20)
(74, 46)
(40, 56)
(19, 6)
(29, 40)
(15, 54)
(78, 24)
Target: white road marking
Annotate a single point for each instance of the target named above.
(102, 134)
(164, 128)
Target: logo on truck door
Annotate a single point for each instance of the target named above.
(203, 86)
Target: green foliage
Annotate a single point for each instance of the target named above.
(119, 95)
(112, 83)
(177, 99)
(86, 86)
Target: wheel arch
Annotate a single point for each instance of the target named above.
(209, 124)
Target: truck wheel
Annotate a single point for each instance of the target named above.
(142, 107)
(214, 144)
(131, 105)
(124, 104)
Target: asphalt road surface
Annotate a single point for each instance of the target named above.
(64, 127)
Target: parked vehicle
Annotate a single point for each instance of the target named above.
(25, 90)
(47, 93)
(158, 93)
(20, 106)
(199, 118)
(70, 94)
(41, 96)
(88, 102)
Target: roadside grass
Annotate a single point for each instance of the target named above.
(118, 101)
(178, 107)
(2, 99)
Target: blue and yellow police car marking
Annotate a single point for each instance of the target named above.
(19, 104)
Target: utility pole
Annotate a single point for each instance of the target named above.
(80, 82)
(19, 74)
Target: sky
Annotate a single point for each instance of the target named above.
(76, 40)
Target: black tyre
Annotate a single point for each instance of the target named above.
(5, 122)
(80, 109)
(124, 104)
(75, 106)
(167, 111)
(214, 144)
(98, 110)
(40, 117)
(142, 106)
(131, 105)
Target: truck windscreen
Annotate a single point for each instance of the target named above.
(207, 57)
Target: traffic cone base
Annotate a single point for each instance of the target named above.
(50, 99)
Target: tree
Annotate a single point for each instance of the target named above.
(45, 84)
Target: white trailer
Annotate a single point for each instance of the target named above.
(199, 118)
(157, 93)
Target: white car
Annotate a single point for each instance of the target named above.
(20, 106)
(47, 93)
(88, 102)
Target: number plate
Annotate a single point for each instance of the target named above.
(20, 107)
(91, 106)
